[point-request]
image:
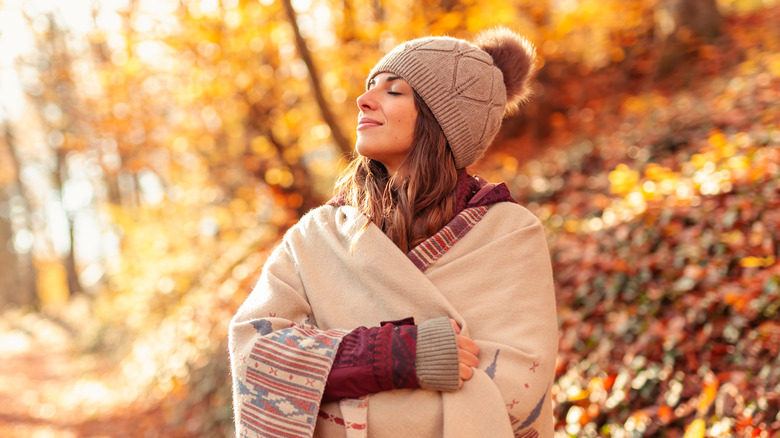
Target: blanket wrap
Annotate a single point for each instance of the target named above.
(490, 272)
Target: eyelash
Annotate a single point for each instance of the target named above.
(392, 93)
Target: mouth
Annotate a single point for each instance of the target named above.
(365, 123)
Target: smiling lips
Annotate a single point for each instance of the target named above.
(365, 123)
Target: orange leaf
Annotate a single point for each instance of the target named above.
(707, 396)
(665, 414)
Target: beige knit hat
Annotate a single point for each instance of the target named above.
(469, 87)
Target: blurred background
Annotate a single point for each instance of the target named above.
(152, 153)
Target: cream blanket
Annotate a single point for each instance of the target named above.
(320, 283)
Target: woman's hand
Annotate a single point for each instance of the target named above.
(467, 354)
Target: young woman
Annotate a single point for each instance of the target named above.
(419, 301)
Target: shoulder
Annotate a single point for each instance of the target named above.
(316, 216)
(315, 219)
(505, 222)
(329, 215)
(511, 216)
(332, 220)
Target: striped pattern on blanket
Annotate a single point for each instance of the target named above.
(430, 250)
(285, 377)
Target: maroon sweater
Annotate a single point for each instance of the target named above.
(376, 359)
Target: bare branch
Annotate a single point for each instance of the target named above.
(341, 141)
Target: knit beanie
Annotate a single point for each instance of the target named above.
(469, 86)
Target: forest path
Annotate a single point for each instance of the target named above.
(50, 389)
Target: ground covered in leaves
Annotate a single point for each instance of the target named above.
(663, 226)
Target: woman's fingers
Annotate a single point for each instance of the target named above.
(466, 372)
(467, 358)
(467, 344)
(468, 353)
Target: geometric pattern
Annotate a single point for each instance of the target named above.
(394, 357)
(433, 248)
(285, 378)
(355, 411)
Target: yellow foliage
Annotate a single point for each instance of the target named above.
(658, 173)
(582, 394)
(734, 237)
(757, 262)
(52, 282)
(699, 160)
(279, 177)
(448, 21)
(696, 429)
(717, 140)
(744, 6)
(774, 65)
(623, 180)
(261, 146)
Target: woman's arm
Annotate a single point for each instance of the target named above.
(513, 321)
(279, 360)
(376, 359)
(273, 343)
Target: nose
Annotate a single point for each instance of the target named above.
(366, 101)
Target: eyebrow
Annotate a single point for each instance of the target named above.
(389, 79)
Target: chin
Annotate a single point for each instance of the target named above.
(363, 150)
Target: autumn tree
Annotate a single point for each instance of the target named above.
(59, 104)
(17, 272)
(211, 126)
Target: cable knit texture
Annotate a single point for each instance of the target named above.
(459, 84)
(463, 86)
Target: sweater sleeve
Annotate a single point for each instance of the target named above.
(437, 355)
(375, 359)
(396, 355)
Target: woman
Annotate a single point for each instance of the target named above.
(419, 301)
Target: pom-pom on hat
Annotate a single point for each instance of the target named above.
(469, 87)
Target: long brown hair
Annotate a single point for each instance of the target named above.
(416, 201)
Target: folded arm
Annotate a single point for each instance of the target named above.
(393, 356)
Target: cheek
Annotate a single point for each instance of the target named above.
(409, 123)
(405, 131)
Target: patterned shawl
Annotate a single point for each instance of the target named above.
(321, 282)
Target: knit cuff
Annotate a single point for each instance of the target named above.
(437, 355)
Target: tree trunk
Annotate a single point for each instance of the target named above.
(18, 283)
(347, 29)
(60, 91)
(341, 140)
(72, 276)
(700, 16)
(303, 185)
(682, 26)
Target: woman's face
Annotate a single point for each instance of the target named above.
(386, 122)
